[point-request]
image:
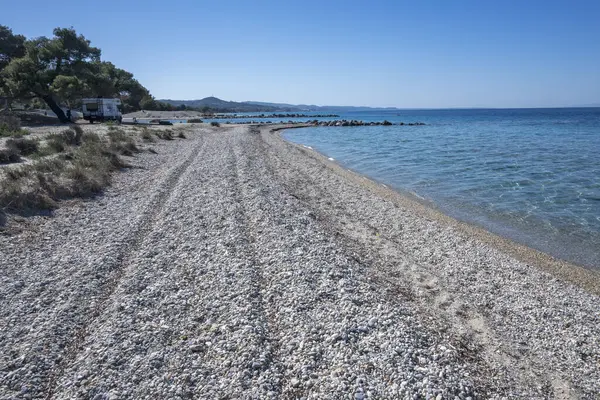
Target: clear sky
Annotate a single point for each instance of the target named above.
(415, 54)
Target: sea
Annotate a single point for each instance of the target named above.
(532, 175)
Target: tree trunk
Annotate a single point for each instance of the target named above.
(54, 107)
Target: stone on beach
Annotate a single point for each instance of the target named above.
(233, 264)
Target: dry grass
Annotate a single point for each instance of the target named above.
(165, 135)
(121, 143)
(60, 142)
(147, 136)
(83, 168)
(23, 146)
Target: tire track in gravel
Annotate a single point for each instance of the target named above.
(61, 266)
(145, 225)
(320, 327)
(307, 190)
(265, 202)
(183, 316)
(518, 371)
(326, 224)
(268, 345)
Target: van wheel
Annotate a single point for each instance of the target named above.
(91, 121)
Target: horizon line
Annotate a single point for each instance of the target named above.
(399, 108)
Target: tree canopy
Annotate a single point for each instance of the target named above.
(11, 46)
(62, 70)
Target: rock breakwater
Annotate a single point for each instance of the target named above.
(264, 116)
(338, 122)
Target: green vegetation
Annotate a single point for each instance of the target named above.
(57, 143)
(23, 146)
(9, 156)
(10, 126)
(215, 124)
(61, 70)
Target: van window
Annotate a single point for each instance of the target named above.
(92, 106)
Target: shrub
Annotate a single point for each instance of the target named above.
(10, 122)
(98, 156)
(9, 156)
(77, 128)
(55, 144)
(14, 174)
(181, 135)
(71, 137)
(215, 124)
(50, 165)
(116, 134)
(86, 182)
(165, 135)
(25, 147)
(10, 126)
(25, 195)
(90, 137)
(147, 135)
(121, 143)
(58, 143)
(194, 121)
(125, 148)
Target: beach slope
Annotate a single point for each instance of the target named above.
(237, 265)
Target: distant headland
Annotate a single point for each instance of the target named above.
(217, 105)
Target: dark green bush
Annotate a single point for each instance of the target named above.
(10, 126)
(9, 156)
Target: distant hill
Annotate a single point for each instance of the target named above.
(312, 107)
(219, 105)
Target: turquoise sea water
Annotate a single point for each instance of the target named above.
(529, 174)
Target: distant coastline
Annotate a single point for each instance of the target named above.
(219, 105)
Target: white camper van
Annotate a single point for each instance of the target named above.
(99, 109)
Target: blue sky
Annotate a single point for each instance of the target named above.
(414, 54)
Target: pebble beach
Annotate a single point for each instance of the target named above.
(236, 265)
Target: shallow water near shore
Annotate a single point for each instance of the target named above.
(529, 174)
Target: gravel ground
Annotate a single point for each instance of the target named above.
(235, 265)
